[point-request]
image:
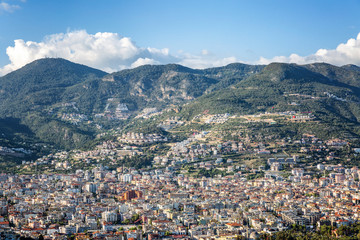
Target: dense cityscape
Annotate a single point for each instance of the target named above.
(195, 190)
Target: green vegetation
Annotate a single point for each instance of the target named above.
(278, 85)
(255, 175)
(211, 173)
(326, 232)
(136, 161)
(34, 99)
(37, 95)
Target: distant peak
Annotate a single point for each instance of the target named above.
(235, 65)
(351, 67)
(50, 60)
(280, 66)
(319, 64)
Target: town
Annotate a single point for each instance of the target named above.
(197, 188)
(157, 204)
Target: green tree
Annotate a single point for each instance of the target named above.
(325, 230)
(135, 217)
(126, 221)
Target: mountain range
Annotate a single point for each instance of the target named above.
(63, 105)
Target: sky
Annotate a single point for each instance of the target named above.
(116, 34)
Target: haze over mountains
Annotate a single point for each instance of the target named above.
(37, 101)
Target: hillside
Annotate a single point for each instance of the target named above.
(287, 87)
(159, 86)
(62, 103)
(65, 105)
(40, 83)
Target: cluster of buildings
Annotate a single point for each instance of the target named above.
(288, 115)
(192, 149)
(112, 151)
(17, 152)
(168, 199)
(218, 118)
(154, 204)
(148, 113)
(141, 138)
(74, 118)
(170, 123)
(114, 110)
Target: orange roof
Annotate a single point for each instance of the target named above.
(234, 224)
(38, 229)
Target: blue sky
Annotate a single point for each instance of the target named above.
(195, 33)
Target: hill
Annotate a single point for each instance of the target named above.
(330, 93)
(40, 83)
(26, 94)
(62, 103)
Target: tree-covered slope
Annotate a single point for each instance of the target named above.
(288, 87)
(40, 83)
(42, 92)
(27, 92)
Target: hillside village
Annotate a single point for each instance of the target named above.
(198, 188)
(169, 152)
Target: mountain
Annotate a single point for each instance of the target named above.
(331, 93)
(351, 67)
(272, 86)
(27, 93)
(348, 74)
(161, 85)
(63, 104)
(59, 101)
(231, 74)
(41, 83)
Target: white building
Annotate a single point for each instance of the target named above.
(127, 177)
(90, 187)
(109, 216)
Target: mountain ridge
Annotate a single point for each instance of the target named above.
(65, 104)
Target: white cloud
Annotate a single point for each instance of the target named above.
(144, 61)
(8, 7)
(104, 50)
(112, 52)
(344, 53)
(205, 61)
